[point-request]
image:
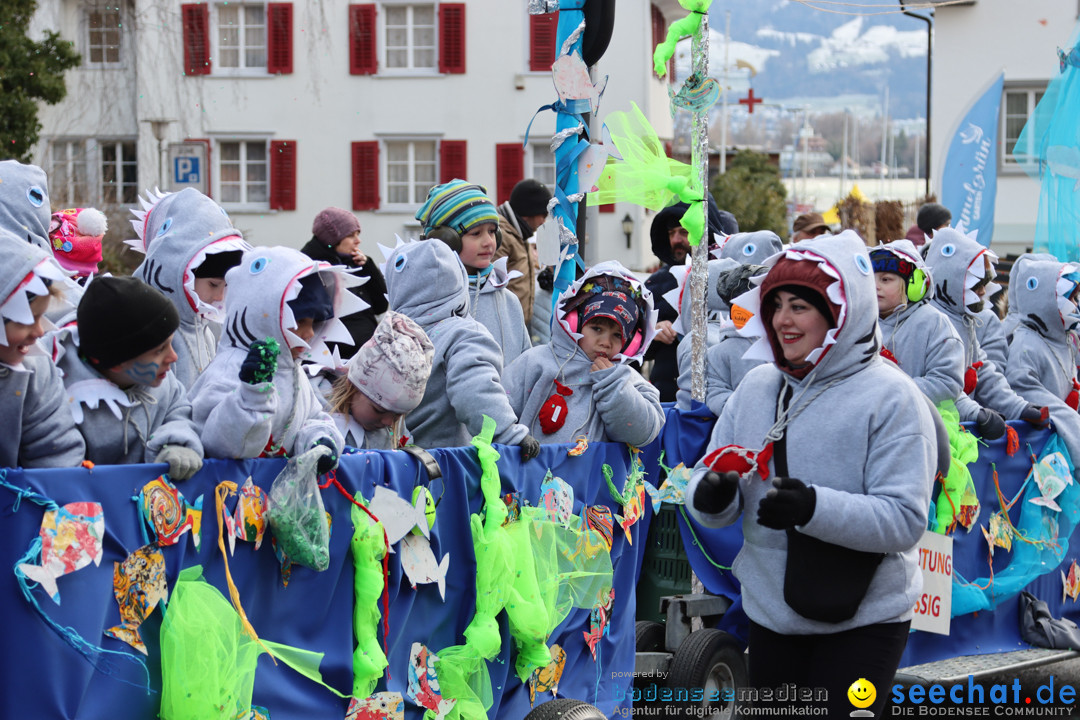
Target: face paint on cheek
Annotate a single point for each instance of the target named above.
(143, 373)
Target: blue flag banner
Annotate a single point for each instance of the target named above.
(969, 181)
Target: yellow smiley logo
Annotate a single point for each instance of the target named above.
(862, 693)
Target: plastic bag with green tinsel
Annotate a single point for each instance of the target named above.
(296, 514)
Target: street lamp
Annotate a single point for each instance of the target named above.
(628, 228)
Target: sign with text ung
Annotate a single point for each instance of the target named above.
(933, 608)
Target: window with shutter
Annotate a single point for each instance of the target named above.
(542, 34)
(362, 44)
(196, 22)
(509, 169)
(283, 175)
(280, 51)
(365, 175)
(452, 38)
(453, 160)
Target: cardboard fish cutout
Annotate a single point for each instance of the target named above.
(70, 539)
(380, 706)
(424, 682)
(1071, 583)
(397, 515)
(166, 511)
(547, 677)
(1052, 475)
(999, 534)
(599, 622)
(557, 497)
(248, 521)
(696, 94)
(418, 562)
(139, 585)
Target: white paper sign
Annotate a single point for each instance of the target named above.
(933, 609)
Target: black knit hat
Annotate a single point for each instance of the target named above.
(120, 318)
(530, 197)
(217, 264)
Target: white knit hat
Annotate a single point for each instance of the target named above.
(393, 366)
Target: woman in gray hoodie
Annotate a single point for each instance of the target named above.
(828, 453)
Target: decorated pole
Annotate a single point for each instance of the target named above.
(699, 161)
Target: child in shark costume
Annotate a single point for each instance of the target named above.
(865, 469)
(38, 428)
(251, 402)
(426, 281)
(184, 234)
(915, 334)
(1043, 355)
(1012, 317)
(725, 362)
(751, 248)
(611, 404)
(961, 268)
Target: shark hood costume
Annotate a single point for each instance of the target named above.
(178, 232)
(871, 464)
(242, 420)
(24, 202)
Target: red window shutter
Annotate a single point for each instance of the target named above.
(196, 21)
(509, 169)
(452, 38)
(365, 175)
(542, 34)
(453, 160)
(659, 32)
(282, 174)
(279, 21)
(362, 58)
(610, 208)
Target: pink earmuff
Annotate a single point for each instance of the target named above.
(630, 350)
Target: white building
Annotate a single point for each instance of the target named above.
(290, 107)
(973, 43)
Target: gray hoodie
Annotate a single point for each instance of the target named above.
(499, 310)
(38, 428)
(922, 340)
(178, 231)
(426, 281)
(242, 420)
(615, 404)
(991, 334)
(956, 263)
(871, 464)
(1042, 360)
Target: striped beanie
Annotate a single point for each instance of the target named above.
(457, 205)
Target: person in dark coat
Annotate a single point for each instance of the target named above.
(671, 243)
(336, 240)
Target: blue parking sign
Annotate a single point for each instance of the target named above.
(186, 169)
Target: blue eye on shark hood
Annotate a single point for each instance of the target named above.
(958, 263)
(25, 210)
(426, 281)
(1043, 296)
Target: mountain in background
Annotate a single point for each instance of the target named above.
(827, 61)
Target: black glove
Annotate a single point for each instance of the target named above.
(326, 463)
(261, 362)
(990, 424)
(530, 447)
(1037, 416)
(715, 492)
(791, 502)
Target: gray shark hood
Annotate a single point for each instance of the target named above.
(26, 269)
(680, 296)
(257, 305)
(957, 263)
(426, 281)
(1042, 297)
(177, 231)
(752, 248)
(854, 342)
(24, 202)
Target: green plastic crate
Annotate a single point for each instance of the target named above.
(666, 569)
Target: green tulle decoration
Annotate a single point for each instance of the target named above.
(965, 450)
(646, 176)
(679, 29)
(368, 548)
(208, 661)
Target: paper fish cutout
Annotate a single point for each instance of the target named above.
(596, 531)
(1067, 58)
(572, 81)
(70, 540)
(547, 677)
(673, 489)
(696, 95)
(418, 562)
(397, 515)
(970, 507)
(380, 706)
(632, 510)
(1052, 475)
(424, 682)
(734, 458)
(999, 534)
(557, 497)
(257, 712)
(248, 521)
(139, 585)
(168, 513)
(599, 622)
(513, 507)
(579, 448)
(591, 162)
(1071, 583)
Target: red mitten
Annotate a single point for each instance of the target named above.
(1073, 398)
(552, 414)
(971, 377)
(737, 459)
